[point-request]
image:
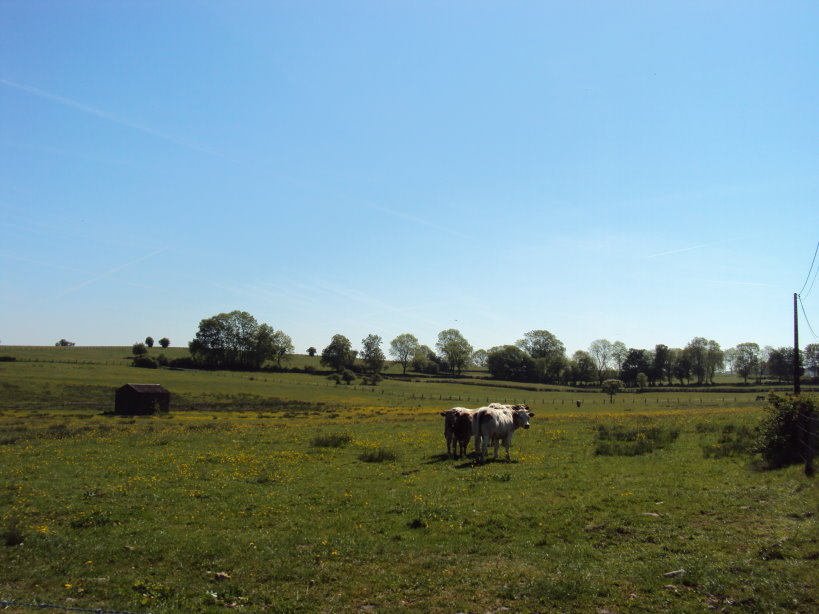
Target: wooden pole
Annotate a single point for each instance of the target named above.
(796, 361)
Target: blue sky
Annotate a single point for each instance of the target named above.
(637, 171)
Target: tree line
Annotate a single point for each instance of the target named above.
(236, 340)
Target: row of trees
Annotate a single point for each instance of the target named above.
(237, 340)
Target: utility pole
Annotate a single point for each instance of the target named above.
(796, 361)
(807, 420)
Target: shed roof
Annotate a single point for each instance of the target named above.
(147, 388)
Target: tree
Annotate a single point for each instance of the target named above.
(549, 354)
(426, 361)
(164, 342)
(236, 340)
(637, 361)
(697, 350)
(611, 387)
(600, 350)
(780, 364)
(680, 365)
(746, 360)
(371, 353)
(510, 363)
(139, 349)
(64, 343)
(339, 354)
(642, 381)
(404, 348)
(457, 351)
(661, 365)
(542, 344)
(811, 355)
(311, 351)
(479, 358)
(619, 351)
(582, 368)
(714, 360)
(275, 345)
(149, 341)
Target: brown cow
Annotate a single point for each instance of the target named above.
(457, 430)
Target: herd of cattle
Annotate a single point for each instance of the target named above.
(493, 424)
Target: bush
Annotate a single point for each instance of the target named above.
(334, 440)
(378, 456)
(779, 441)
(139, 349)
(371, 380)
(146, 362)
(7, 358)
(734, 441)
(183, 363)
(620, 441)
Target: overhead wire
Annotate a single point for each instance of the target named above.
(813, 282)
(810, 270)
(805, 314)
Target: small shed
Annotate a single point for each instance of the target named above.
(142, 399)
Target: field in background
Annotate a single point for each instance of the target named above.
(285, 493)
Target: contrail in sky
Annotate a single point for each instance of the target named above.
(111, 272)
(684, 249)
(701, 246)
(66, 102)
(73, 104)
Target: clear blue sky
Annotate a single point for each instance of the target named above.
(638, 171)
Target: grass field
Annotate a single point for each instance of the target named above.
(281, 493)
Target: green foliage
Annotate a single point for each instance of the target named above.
(404, 348)
(339, 355)
(164, 343)
(379, 455)
(455, 349)
(733, 441)
(371, 354)
(371, 380)
(332, 440)
(146, 362)
(630, 441)
(780, 430)
(611, 387)
(139, 349)
(149, 341)
(236, 340)
(348, 376)
(511, 363)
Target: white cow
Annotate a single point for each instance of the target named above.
(497, 423)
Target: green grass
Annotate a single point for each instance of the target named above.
(263, 500)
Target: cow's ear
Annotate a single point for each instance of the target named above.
(531, 414)
(443, 413)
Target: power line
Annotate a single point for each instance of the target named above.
(804, 313)
(812, 262)
(813, 282)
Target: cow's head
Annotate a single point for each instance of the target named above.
(521, 418)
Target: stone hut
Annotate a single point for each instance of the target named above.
(142, 399)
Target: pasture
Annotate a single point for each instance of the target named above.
(280, 493)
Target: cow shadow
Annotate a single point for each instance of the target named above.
(468, 462)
